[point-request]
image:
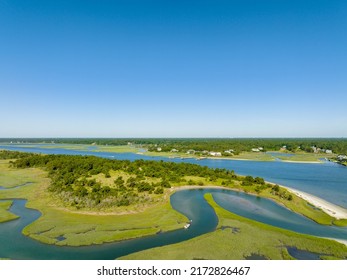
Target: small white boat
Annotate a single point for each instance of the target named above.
(187, 226)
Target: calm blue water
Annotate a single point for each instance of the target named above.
(326, 180)
(268, 212)
(302, 254)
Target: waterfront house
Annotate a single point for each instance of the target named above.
(215, 154)
(342, 157)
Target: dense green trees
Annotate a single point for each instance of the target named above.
(12, 154)
(73, 181)
(236, 146)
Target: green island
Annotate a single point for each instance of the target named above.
(91, 200)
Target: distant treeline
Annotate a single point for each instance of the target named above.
(337, 145)
(237, 146)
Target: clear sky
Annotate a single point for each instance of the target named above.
(173, 68)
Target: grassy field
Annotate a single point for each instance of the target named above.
(306, 157)
(114, 174)
(297, 157)
(169, 155)
(117, 149)
(253, 156)
(4, 214)
(12, 177)
(83, 227)
(237, 238)
(96, 148)
(341, 223)
(80, 147)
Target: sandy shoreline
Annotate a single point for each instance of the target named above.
(258, 160)
(308, 162)
(331, 209)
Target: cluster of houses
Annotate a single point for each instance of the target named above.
(214, 154)
(208, 153)
(342, 157)
(211, 153)
(258, 149)
(319, 150)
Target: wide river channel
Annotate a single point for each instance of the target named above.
(191, 203)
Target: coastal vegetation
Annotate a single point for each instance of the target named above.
(4, 214)
(238, 238)
(63, 225)
(92, 183)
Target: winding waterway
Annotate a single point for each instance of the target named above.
(191, 203)
(14, 245)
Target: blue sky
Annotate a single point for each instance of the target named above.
(137, 68)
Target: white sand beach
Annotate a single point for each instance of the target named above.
(328, 207)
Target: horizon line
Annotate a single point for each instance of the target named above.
(185, 137)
